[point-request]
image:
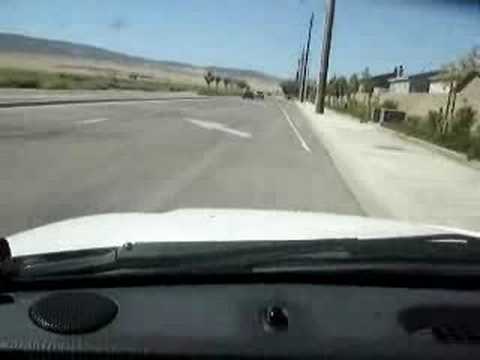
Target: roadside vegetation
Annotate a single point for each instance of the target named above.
(29, 79)
(462, 135)
(226, 86)
(34, 79)
(459, 131)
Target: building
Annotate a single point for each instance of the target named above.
(440, 84)
(379, 83)
(416, 83)
(420, 83)
(399, 85)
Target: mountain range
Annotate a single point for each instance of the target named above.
(21, 44)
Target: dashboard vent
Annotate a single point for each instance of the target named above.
(446, 324)
(6, 299)
(456, 334)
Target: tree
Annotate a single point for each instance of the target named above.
(289, 87)
(331, 87)
(453, 75)
(368, 88)
(242, 84)
(367, 81)
(353, 84)
(471, 61)
(341, 87)
(226, 82)
(217, 81)
(208, 78)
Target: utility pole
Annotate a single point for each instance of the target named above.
(302, 64)
(307, 53)
(297, 75)
(307, 91)
(323, 73)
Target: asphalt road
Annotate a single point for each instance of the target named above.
(58, 162)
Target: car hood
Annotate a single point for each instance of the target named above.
(111, 230)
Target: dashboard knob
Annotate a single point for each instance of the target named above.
(276, 318)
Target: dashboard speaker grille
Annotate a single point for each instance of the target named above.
(73, 312)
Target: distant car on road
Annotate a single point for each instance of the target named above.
(248, 94)
(260, 95)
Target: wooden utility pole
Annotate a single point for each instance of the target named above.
(305, 67)
(302, 64)
(323, 73)
(297, 76)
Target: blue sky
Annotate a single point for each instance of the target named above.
(266, 35)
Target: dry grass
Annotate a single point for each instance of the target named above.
(57, 64)
(41, 79)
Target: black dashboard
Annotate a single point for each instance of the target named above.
(243, 321)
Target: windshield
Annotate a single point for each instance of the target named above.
(237, 120)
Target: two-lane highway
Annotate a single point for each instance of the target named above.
(58, 162)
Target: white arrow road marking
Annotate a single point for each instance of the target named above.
(91, 121)
(211, 125)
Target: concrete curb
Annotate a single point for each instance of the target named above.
(91, 101)
(462, 158)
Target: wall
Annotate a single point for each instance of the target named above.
(399, 87)
(421, 103)
(439, 87)
(419, 85)
(418, 104)
(379, 90)
(472, 91)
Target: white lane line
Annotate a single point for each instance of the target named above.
(211, 125)
(299, 136)
(91, 121)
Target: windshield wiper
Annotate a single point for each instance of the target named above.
(250, 256)
(77, 262)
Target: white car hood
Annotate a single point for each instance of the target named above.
(116, 229)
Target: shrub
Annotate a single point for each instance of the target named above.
(473, 151)
(289, 87)
(32, 83)
(414, 121)
(352, 107)
(57, 85)
(463, 121)
(431, 128)
(460, 137)
(390, 104)
(412, 125)
(464, 134)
